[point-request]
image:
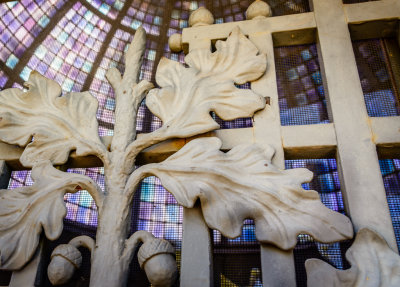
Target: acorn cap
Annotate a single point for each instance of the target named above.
(153, 247)
(68, 252)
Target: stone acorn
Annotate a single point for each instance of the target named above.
(65, 259)
(157, 258)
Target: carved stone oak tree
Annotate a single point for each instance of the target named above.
(232, 186)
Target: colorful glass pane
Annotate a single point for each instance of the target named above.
(20, 23)
(300, 89)
(68, 53)
(110, 8)
(146, 13)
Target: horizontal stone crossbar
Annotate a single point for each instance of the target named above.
(299, 142)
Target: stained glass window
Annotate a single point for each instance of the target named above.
(159, 213)
(180, 15)
(109, 8)
(377, 78)
(3, 79)
(68, 53)
(20, 23)
(326, 182)
(148, 14)
(390, 169)
(300, 88)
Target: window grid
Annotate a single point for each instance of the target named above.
(180, 15)
(380, 94)
(109, 8)
(300, 88)
(326, 182)
(3, 79)
(20, 23)
(390, 169)
(68, 53)
(146, 14)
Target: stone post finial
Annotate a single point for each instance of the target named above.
(258, 9)
(175, 42)
(201, 17)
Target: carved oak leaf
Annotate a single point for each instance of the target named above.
(187, 95)
(58, 124)
(243, 183)
(372, 261)
(25, 210)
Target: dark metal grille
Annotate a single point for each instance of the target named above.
(237, 261)
(390, 169)
(378, 81)
(227, 269)
(356, 1)
(300, 88)
(326, 182)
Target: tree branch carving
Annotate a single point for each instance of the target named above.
(240, 184)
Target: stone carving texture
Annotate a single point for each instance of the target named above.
(65, 259)
(243, 183)
(26, 210)
(187, 95)
(240, 184)
(372, 261)
(58, 124)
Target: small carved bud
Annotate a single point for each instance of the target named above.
(175, 43)
(201, 17)
(258, 9)
(156, 257)
(65, 259)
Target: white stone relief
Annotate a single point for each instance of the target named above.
(243, 183)
(25, 211)
(232, 187)
(187, 95)
(65, 259)
(58, 124)
(372, 262)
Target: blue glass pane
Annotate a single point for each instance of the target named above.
(390, 169)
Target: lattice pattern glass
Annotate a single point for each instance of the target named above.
(3, 79)
(390, 169)
(237, 261)
(148, 14)
(180, 14)
(20, 23)
(377, 78)
(300, 89)
(326, 182)
(68, 53)
(109, 8)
